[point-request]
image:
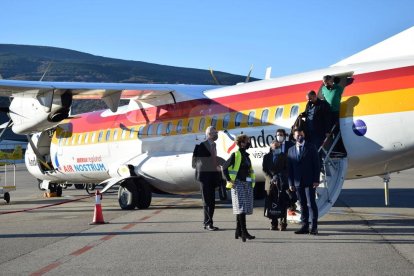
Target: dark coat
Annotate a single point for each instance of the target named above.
(279, 167)
(321, 119)
(305, 171)
(206, 168)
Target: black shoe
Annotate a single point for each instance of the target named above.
(302, 231)
(211, 228)
(314, 232)
(274, 228)
(250, 237)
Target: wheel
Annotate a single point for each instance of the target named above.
(90, 187)
(128, 195)
(144, 195)
(64, 186)
(7, 197)
(80, 186)
(58, 190)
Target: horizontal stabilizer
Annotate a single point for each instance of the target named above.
(398, 46)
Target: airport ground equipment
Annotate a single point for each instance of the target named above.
(7, 182)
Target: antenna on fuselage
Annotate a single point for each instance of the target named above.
(268, 72)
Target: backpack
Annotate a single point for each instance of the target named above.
(275, 201)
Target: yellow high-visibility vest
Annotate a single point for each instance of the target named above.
(235, 168)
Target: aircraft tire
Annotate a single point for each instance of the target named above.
(39, 185)
(7, 197)
(144, 195)
(80, 186)
(127, 196)
(58, 190)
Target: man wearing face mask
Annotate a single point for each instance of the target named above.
(208, 173)
(332, 93)
(303, 177)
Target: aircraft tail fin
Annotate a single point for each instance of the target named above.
(397, 46)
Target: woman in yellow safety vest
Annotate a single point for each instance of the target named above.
(241, 179)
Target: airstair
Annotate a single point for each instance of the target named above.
(333, 170)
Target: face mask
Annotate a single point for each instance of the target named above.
(300, 139)
(280, 139)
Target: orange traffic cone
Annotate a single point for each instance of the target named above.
(98, 216)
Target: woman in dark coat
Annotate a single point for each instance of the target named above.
(240, 177)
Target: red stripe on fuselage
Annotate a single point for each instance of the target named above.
(372, 82)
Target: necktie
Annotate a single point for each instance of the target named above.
(300, 152)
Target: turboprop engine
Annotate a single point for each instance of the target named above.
(35, 112)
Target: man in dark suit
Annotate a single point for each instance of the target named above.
(304, 173)
(208, 174)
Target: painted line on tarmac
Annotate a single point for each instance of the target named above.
(44, 206)
(93, 244)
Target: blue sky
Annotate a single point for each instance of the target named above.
(291, 36)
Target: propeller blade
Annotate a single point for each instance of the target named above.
(214, 77)
(248, 75)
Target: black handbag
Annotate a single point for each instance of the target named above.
(275, 203)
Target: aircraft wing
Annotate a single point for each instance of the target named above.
(89, 90)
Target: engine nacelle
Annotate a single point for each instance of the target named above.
(37, 113)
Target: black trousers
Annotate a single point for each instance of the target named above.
(303, 200)
(208, 195)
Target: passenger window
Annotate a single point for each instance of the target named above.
(73, 139)
(226, 120)
(80, 139)
(265, 114)
(141, 131)
(179, 126)
(108, 135)
(131, 133)
(159, 129)
(149, 130)
(123, 134)
(168, 128)
(86, 138)
(115, 137)
(238, 119)
(250, 118)
(202, 124)
(294, 111)
(214, 121)
(100, 136)
(190, 125)
(278, 113)
(93, 137)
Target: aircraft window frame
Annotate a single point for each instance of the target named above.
(168, 128)
(73, 139)
(60, 140)
(85, 140)
(294, 111)
(115, 136)
(238, 119)
(213, 121)
(250, 118)
(179, 128)
(80, 139)
(226, 120)
(190, 125)
(131, 133)
(100, 136)
(108, 135)
(140, 132)
(202, 124)
(93, 136)
(68, 140)
(150, 130)
(264, 117)
(123, 134)
(160, 127)
(279, 112)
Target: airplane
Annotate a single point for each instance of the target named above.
(146, 146)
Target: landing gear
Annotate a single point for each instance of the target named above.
(134, 193)
(90, 187)
(386, 179)
(80, 186)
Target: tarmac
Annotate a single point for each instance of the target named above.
(52, 236)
